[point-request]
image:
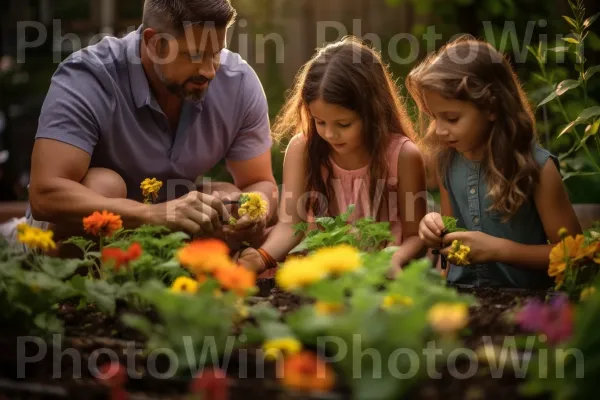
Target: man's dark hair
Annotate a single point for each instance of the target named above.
(171, 16)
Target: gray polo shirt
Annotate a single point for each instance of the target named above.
(100, 101)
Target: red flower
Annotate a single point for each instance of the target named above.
(211, 384)
(114, 376)
(121, 257)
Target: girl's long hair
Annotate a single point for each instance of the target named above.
(472, 70)
(352, 75)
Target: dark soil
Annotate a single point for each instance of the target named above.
(88, 330)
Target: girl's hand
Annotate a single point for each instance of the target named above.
(430, 230)
(483, 246)
(251, 259)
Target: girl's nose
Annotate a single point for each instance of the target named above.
(440, 130)
(329, 133)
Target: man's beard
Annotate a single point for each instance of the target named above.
(179, 90)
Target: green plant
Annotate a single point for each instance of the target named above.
(31, 286)
(194, 322)
(348, 317)
(365, 234)
(590, 114)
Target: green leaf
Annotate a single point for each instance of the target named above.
(274, 330)
(565, 86)
(138, 322)
(571, 21)
(549, 98)
(589, 113)
(583, 117)
(571, 40)
(102, 293)
(572, 174)
(264, 312)
(59, 268)
(559, 49)
(588, 22)
(590, 72)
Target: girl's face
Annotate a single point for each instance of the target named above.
(459, 124)
(340, 127)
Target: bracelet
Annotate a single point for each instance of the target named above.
(267, 258)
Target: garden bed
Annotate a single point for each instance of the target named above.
(88, 330)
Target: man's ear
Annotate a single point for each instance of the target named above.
(151, 41)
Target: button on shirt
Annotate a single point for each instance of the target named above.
(100, 101)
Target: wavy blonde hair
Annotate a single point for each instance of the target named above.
(472, 70)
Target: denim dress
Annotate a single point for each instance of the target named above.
(467, 189)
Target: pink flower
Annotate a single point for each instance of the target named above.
(555, 319)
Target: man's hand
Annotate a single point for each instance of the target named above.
(247, 228)
(195, 213)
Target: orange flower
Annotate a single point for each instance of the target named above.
(235, 278)
(304, 371)
(102, 224)
(204, 255)
(121, 257)
(562, 252)
(567, 251)
(584, 252)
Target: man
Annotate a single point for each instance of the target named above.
(167, 101)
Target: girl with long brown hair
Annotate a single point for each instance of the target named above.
(351, 143)
(495, 178)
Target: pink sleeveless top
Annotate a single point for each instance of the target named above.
(352, 187)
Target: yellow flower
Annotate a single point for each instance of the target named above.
(35, 238)
(338, 259)
(327, 308)
(564, 253)
(184, 285)
(448, 318)
(297, 273)
(241, 308)
(563, 232)
(150, 188)
(587, 293)
(282, 346)
(459, 254)
(253, 205)
(396, 299)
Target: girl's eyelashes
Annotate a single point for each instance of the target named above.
(452, 120)
(321, 123)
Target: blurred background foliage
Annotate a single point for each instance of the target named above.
(297, 24)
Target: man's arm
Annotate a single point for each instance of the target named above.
(56, 192)
(78, 101)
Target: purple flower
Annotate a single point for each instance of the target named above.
(555, 319)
